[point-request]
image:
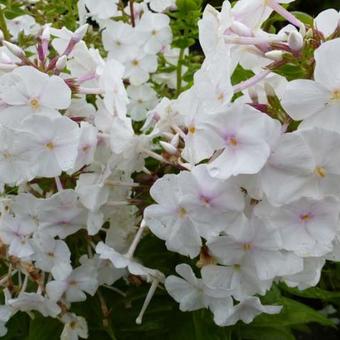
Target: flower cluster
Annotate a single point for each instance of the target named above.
(247, 176)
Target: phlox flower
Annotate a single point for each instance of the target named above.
(72, 284)
(193, 293)
(317, 102)
(27, 91)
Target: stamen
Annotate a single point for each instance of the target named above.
(320, 171)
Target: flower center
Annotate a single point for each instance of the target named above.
(320, 171)
(50, 146)
(306, 217)
(231, 140)
(247, 246)
(35, 104)
(7, 155)
(335, 95)
(192, 129)
(182, 212)
(135, 62)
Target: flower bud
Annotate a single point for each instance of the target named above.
(16, 50)
(80, 33)
(61, 63)
(275, 55)
(241, 29)
(168, 148)
(295, 41)
(175, 140)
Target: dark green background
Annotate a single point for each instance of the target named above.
(315, 6)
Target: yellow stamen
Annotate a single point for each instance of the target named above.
(233, 141)
(192, 129)
(50, 146)
(182, 212)
(35, 104)
(306, 217)
(247, 246)
(335, 95)
(320, 171)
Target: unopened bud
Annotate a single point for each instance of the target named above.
(270, 92)
(80, 33)
(175, 140)
(168, 148)
(295, 41)
(45, 35)
(275, 55)
(61, 63)
(16, 50)
(241, 29)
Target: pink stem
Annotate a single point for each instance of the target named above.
(251, 81)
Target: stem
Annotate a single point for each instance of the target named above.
(148, 298)
(251, 82)
(136, 240)
(273, 4)
(3, 25)
(58, 184)
(132, 13)
(179, 72)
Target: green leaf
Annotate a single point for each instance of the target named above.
(266, 333)
(240, 74)
(304, 17)
(42, 328)
(293, 313)
(312, 293)
(188, 5)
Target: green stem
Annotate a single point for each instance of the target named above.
(179, 71)
(3, 25)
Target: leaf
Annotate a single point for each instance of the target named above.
(266, 333)
(312, 293)
(293, 313)
(304, 17)
(240, 74)
(42, 328)
(188, 5)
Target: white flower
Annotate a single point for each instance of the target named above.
(17, 234)
(50, 252)
(317, 102)
(75, 327)
(28, 91)
(138, 67)
(154, 31)
(256, 246)
(102, 9)
(242, 133)
(142, 98)
(54, 145)
(307, 227)
(248, 309)
(194, 294)
(22, 23)
(26, 302)
(72, 283)
(119, 40)
(16, 163)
